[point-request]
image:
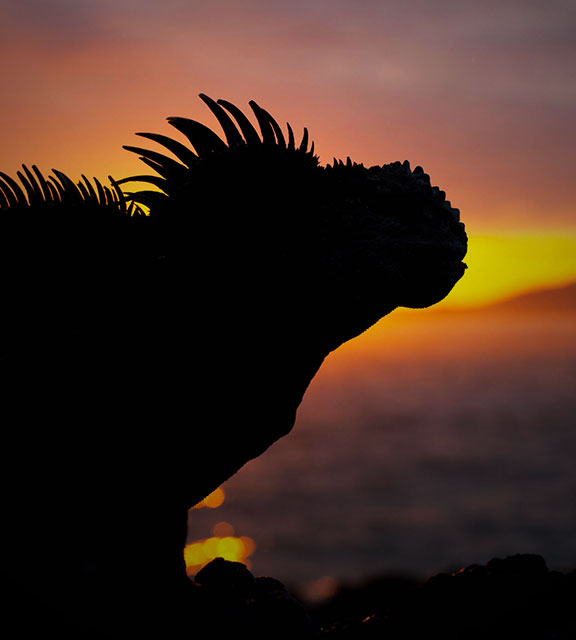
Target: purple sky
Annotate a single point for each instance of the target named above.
(482, 94)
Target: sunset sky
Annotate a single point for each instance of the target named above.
(481, 94)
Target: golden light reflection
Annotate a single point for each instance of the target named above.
(212, 501)
(222, 544)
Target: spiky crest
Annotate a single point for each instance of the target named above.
(238, 131)
(38, 191)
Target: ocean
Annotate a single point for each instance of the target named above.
(433, 441)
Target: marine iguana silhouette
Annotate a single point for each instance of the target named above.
(147, 357)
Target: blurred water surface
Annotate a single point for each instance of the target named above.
(433, 441)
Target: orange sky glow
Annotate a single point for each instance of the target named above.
(482, 95)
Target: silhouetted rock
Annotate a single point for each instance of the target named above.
(234, 603)
(227, 577)
(515, 597)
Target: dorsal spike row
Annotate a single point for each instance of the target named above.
(238, 132)
(291, 143)
(233, 136)
(304, 143)
(32, 188)
(237, 128)
(280, 141)
(271, 131)
(12, 190)
(69, 190)
(268, 137)
(340, 164)
(89, 187)
(35, 189)
(165, 166)
(248, 131)
(58, 188)
(203, 139)
(185, 155)
(5, 196)
(157, 181)
(54, 194)
(42, 182)
(83, 190)
(100, 190)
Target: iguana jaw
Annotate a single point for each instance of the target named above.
(427, 282)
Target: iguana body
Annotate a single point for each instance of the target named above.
(148, 357)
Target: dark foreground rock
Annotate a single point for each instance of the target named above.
(516, 597)
(231, 603)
